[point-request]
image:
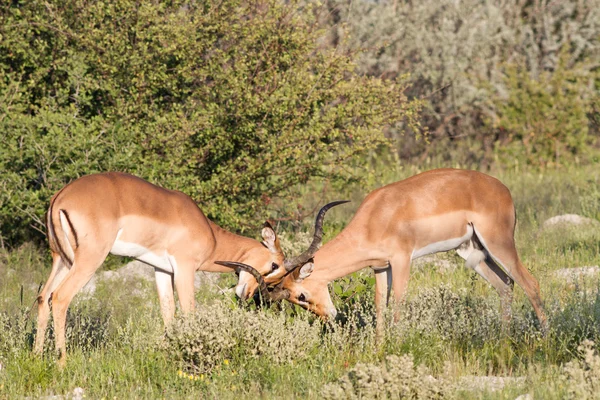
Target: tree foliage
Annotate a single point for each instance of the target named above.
(543, 121)
(231, 102)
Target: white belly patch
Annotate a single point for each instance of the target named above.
(166, 262)
(444, 245)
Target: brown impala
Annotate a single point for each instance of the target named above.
(438, 210)
(124, 215)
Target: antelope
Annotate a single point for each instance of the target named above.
(435, 211)
(125, 215)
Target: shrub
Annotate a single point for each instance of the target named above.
(449, 47)
(582, 377)
(396, 378)
(575, 321)
(217, 332)
(453, 316)
(204, 340)
(230, 102)
(545, 120)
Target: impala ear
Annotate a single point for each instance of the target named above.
(270, 239)
(305, 271)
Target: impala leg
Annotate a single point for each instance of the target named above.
(532, 289)
(59, 271)
(400, 265)
(504, 253)
(80, 273)
(184, 283)
(164, 285)
(383, 287)
(495, 276)
(503, 284)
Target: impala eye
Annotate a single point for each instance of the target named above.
(302, 298)
(274, 267)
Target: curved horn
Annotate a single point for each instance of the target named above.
(291, 264)
(262, 285)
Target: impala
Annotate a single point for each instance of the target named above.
(435, 211)
(124, 215)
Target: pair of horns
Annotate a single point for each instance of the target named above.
(291, 264)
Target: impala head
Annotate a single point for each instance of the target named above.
(293, 273)
(269, 264)
(308, 292)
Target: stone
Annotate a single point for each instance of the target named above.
(569, 219)
(525, 396)
(573, 274)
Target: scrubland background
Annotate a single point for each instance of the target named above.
(266, 110)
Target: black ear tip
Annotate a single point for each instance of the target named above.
(267, 224)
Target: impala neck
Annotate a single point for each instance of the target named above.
(342, 256)
(230, 247)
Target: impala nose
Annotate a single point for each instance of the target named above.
(240, 290)
(332, 313)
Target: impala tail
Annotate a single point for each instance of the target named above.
(62, 245)
(477, 255)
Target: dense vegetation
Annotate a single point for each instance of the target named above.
(240, 103)
(515, 78)
(229, 102)
(252, 107)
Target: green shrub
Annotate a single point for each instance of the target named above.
(216, 333)
(544, 121)
(453, 316)
(576, 321)
(230, 102)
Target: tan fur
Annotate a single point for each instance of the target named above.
(430, 209)
(86, 217)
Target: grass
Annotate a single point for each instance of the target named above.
(450, 325)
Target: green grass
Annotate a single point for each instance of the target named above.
(118, 349)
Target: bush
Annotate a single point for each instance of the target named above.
(396, 378)
(576, 321)
(216, 333)
(458, 317)
(230, 102)
(450, 47)
(582, 377)
(544, 121)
